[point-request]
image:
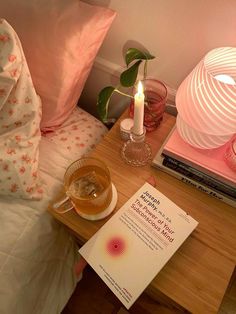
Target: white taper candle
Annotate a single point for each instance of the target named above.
(138, 110)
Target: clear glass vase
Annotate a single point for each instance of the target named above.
(155, 102)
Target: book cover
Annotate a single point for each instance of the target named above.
(198, 176)
(209, 161)
(135, 243)
(158, 163)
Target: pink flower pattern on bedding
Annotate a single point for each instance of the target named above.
(78, 135)
(20, 116)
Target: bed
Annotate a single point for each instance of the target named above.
(42, 131)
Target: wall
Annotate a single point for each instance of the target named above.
(178, 32)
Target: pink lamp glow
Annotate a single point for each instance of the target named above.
(206, 100)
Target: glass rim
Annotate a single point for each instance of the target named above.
(86, 158)
(150, 79)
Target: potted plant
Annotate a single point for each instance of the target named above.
(133, 59)
(155, 91)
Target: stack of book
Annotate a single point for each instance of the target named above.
(204, 169)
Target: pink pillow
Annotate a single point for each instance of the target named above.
(20, 116)
(60, 40)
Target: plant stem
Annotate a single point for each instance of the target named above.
(124, 94)
(145, 70)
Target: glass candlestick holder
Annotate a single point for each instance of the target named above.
(136, 151)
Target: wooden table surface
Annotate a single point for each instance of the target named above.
(196, 277)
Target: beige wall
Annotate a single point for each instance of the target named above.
(177, 32)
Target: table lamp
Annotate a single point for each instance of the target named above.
(206, 100)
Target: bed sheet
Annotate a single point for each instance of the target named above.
(37, 254)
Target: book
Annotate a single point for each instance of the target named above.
(136, 242)
(158, 163)
(208, 161)
(198, 176)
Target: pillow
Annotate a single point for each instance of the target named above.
(60, 40)
(20, 116)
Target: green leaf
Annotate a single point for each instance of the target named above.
(135, 54)
(103, 101)
(129, 76)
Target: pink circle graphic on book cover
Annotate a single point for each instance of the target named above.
(115, 246)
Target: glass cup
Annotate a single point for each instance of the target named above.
(155, 102)
(88, 187)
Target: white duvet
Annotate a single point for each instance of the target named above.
(37, 255)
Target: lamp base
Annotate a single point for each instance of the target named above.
(199, 139)
(136, 152)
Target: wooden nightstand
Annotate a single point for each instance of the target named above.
(196, 277)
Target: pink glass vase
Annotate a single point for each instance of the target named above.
(155, 102)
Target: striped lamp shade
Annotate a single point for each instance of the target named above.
(206, 100)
